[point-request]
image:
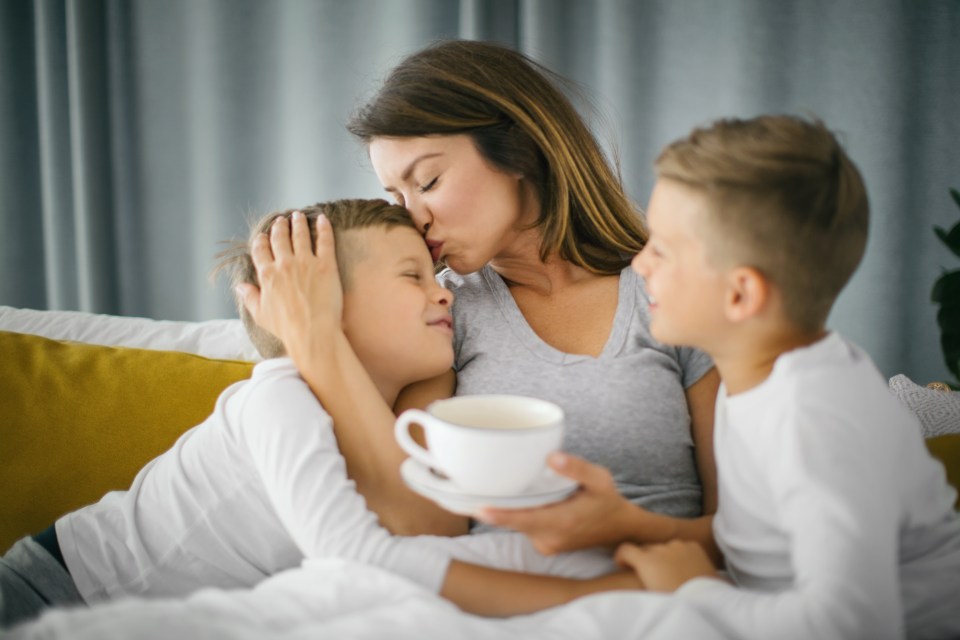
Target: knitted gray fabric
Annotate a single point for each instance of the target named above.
(938, 411)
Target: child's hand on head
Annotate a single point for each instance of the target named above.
(299, 290)
(667, 566)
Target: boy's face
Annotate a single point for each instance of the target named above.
(395, 315)
(686, 292)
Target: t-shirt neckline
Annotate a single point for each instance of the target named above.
(626, 297)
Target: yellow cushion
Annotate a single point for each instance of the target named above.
(78, 420)
(946, 449)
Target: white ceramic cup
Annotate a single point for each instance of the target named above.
(488, 445)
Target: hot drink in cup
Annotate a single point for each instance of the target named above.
(488, 445)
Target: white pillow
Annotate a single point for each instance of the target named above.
(938, 411)
(222, 339)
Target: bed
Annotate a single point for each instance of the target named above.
(87, 399)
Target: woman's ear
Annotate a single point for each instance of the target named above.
(748, 293)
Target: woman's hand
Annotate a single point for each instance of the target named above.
(300, 299)
(668, 566)
(597, 515)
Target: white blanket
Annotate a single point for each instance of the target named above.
(334, 598)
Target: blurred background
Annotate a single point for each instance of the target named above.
(135, 135)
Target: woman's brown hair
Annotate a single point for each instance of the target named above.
(523, 124)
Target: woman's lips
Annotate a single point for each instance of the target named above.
(435, 249)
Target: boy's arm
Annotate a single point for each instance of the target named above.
(829, 480)
(290, 440)
(667, 566)
(295, 458)
(493, 592)
(301, 304)
(364, 426)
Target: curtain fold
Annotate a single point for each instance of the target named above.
(136, 134)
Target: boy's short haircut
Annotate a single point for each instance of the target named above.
(344, 215)
(785, 199)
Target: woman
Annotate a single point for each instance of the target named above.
(513, 193)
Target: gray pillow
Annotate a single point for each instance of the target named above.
(938, 411)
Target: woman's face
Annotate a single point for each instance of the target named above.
(469, 211)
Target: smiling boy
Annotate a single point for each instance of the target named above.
(834, 520)
(261, 483)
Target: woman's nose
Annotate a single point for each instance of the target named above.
(420, 214)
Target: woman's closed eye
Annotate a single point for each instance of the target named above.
(430, 184)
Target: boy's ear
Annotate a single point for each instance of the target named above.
(748, 292)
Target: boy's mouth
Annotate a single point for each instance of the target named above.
(445, 323)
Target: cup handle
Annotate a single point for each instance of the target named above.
(401, 431)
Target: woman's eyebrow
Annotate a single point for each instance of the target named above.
(413, 164)
(409, 170)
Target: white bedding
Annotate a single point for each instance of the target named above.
(225, 339)
(332, 598)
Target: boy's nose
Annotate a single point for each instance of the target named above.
(444, 296)
(639, 262)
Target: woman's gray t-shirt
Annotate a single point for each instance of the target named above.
(625, 410)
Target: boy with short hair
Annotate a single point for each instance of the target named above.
(834, 520)
(261, 483)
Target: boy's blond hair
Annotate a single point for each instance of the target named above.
(344, 215)
(785, 199)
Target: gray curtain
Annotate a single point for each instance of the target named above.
(136, 134)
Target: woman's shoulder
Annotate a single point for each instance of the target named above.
(451, 279)
(470, 285)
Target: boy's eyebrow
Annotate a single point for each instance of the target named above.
(411, 258)
(413, 164)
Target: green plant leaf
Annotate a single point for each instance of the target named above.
(950, 238)
(946, 289)
(950, 339)
(946, 293)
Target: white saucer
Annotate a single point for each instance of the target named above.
(546, 489)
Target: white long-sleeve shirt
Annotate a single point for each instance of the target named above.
(249, 492)
(834, 519)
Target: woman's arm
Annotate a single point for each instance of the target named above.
(597, 515)
(300, 301)
(702, 400)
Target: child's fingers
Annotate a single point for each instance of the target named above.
(300, 234)
(261, 252)
(325, 245)
(629, 555)
(280, 238)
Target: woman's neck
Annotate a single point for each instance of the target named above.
(521, 266)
